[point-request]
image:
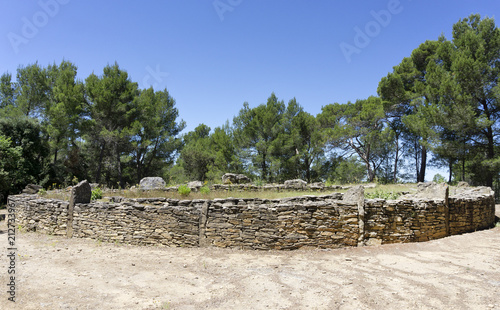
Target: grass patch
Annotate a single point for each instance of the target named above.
(212, 194)
(390, 191)
(206, 193)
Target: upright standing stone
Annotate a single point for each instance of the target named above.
(356, 195)
(80, 193)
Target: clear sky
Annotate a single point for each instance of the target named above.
(213, 55)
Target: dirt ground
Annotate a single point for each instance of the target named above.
(458, 272)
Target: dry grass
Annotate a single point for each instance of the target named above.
(390, 188)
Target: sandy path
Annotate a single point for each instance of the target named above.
(458, 272)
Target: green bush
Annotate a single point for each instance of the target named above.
(184, 190)
(205, 190)
(96, 194)
(42, 192)
(438, 178)
(258, 182)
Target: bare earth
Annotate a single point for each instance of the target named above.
(458, 272)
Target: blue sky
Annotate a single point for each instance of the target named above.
(213, 55)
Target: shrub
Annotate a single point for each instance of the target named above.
(438, 178)
(96, 194)
(205, 190)
(258, 182)
(184, 190)
(42, 192)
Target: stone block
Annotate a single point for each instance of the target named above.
(195, 184)
(81, 193)
(151, 183)
(232, 178)
(32, 189)
(295, 184)
(431, 190)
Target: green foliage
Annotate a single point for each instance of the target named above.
(349, 171)
(438, 178)
(359, 128)
(258, 182)
(96, 193)
(22, 154)
(42, 192)
(155, 130)
(10, 173)
(441, 99)
(183, 190)
(205, 190)
(197, 155)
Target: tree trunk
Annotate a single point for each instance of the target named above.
(423, 164)
(119, 166)
(264, 168)
(395, 173)
(56, 150)
(371, 172)
(417, 168)
(450, 166)
(490, 155)
(99, 165)
(308, 170)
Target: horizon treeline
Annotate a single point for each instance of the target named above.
(440, 103)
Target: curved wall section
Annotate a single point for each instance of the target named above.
(325, 221)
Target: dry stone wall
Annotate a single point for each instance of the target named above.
(48, 216)
(471, 209)
(281, 223)
(160, 221)
(394, 221)
(327, 221)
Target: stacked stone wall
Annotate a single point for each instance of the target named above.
(168, 222)
(281, 223)
(325, 221)
(49, 216)
(471, 210)
(395, 221)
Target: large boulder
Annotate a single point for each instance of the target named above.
(150, 183)
(317, 186)
(242, 179)
(462, 184)
(81, 192)
(430, 190)
(295, 184)
(32, 189)
(355, 194)
(195, 184)
(232, 178)
(229, 178)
